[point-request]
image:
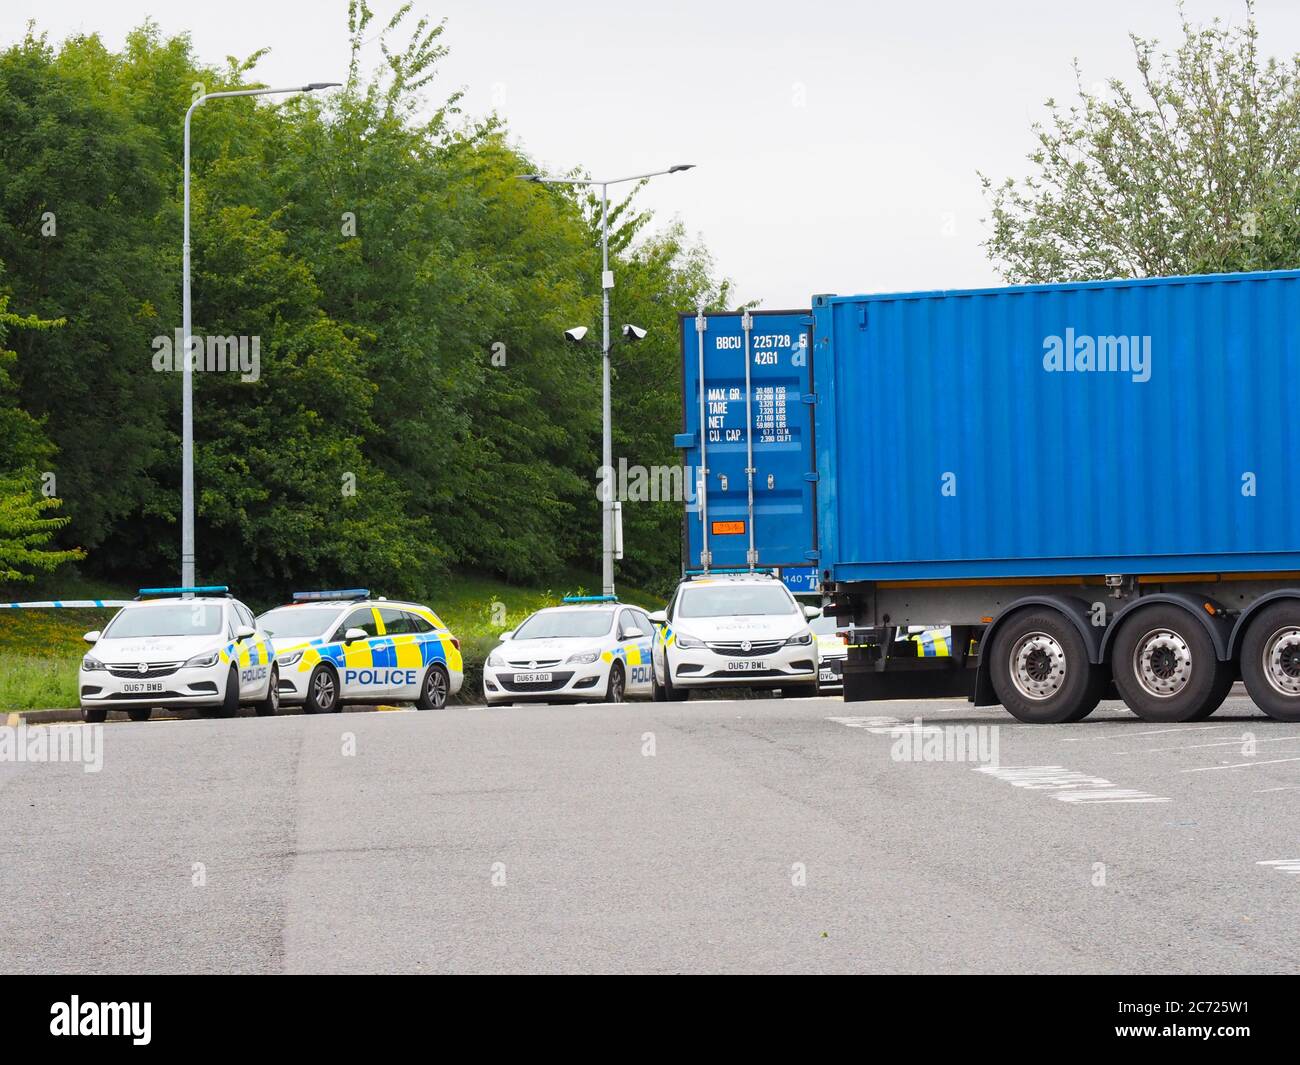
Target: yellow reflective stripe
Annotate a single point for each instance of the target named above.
(633, 656)
(243, 657)
(379, 622)
(452, 655)
(408, 652)
(358, 655)
(940, 647)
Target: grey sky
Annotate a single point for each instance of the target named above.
(837, 142)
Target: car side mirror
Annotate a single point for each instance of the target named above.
(811, 612)
(633, 634)
(245, 633)
(353, 635)
(659, 617)
(92, 636)
(507, 635)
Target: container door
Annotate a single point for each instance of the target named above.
(767, 420)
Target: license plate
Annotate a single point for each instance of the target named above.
(532, 678)
(746, 665)
(142, 687)
(827, 674)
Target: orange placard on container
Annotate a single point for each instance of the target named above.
(727, 528)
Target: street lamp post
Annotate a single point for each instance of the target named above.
(606, 283)
(187, 369)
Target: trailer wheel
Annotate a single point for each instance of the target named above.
(1270, 661)
(1040, 669)
(1166, 668)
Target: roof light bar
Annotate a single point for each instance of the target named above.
(200, 589)
(340, 593)
(591, 599)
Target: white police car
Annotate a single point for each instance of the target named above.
(832, 652)
(167, 650)
(590, 649)
(339, 647)
(729, 631)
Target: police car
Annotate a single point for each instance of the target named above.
(339, 647)
(727, 631)
(832, 652)
(590, 649)
(178, 647)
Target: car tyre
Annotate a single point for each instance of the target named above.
(270, 706)
(435, 690)
(322, 691)
(94, 715)
(140, 713)
(616, 688)
(230, 702)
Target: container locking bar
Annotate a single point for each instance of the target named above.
(706, 557)
(747, 327)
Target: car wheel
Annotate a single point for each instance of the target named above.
(230, 704)
(1270, 661)
(616, 689)
(435, 689)
(270, 706)
(140, 714)
(94, 715)
(802, 691)
(322, 691)
(672, 693)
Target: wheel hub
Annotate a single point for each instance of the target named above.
(1282, 661)
(1162, 663)
(1037, 666)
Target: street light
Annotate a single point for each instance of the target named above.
(606, 283)
(187, 372)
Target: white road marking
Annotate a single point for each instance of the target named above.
(1125, 734)
(1290, 866)
(1068, 785)
(1286, 787)
(1240, 765)
(1218, 743)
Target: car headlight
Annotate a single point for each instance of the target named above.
(802, 640)
(688, 642)
(495, 660)
(583, 658)
(290, 659)
(204, 660)
(91, 664)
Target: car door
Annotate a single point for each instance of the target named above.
(357, 678)
(401, 652)
(252, 654)
(634, 641)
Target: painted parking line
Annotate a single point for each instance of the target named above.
(1240, 765)
(1290, 866)
(1125, 734)
(1068, 785)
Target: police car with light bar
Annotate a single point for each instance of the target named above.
(340, 647)
(179, 647)
(590, 649)
(734, 630)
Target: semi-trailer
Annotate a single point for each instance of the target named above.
(1090, 483)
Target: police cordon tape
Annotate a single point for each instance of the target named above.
(66, 604)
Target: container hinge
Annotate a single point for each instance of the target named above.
(812, 556)
(751, 557)
(812, 476)
(810, 398)
(810, 320)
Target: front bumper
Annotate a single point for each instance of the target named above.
(830, 673)
(569, 683)
(705, 667)
(183, 686)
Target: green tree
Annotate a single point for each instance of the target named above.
(1192, 168)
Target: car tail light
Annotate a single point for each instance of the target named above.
(455, 643)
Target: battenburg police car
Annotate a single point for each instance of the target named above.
(338, 647)
(591, 649)
(166, 650)
(725, 631)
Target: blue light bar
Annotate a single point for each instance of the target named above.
(591, 599)
(204, 589)
(341, 593)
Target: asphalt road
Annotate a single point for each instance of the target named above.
(758, 836)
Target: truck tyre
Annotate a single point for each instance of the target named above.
(229, 706)
(140, 714)
(434, 690)
(94, 715)
(1040, 669)
(1270, 660)
(1166, 668)
(270, 706)
(322, 691)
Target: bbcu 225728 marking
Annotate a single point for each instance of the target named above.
(382, 678)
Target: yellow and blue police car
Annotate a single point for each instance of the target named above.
(590, 649)
(179, 647)
(339, 647)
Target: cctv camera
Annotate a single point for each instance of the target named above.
(576, 334)
(633, 332)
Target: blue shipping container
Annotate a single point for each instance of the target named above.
(1135, 427)
(778, 406)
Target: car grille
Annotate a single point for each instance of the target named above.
(137, 697)
(756, 648)
(131, 670)
(558, 680)
(540, 663)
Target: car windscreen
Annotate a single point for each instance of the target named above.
(736, 600)
(298, 621)
(563, 624)
(166, 619)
